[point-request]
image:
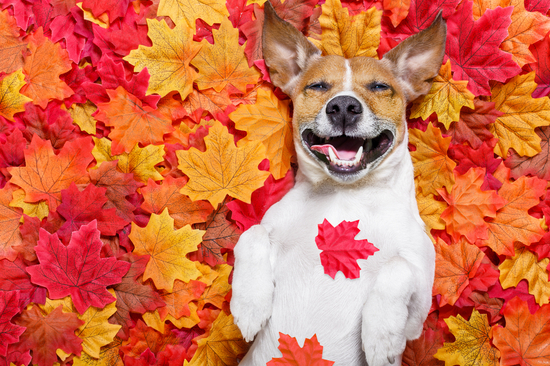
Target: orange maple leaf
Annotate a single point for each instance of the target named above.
(468, 205)
(310, 354)
(521, 114)
(348, 36)
(433, 169)
(223, 344)
(11, 47)
(42, 68)
(268, 121)
(399, 9)
(180, 207)
(524, 265)
(223, 168)
(46, 174)
(207, 100)
(11, 100)
(167, 249)
(9, 222)
(526, 28)
(454, 266)
(215, 293)
(224, 62)
(526, 337)
(473, 342)
(512, 222)
(177, 301)
(132, 121)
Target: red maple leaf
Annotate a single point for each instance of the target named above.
(13, 276)
(11, 151)
(537, 165)
(113, 8)
(80, 208)
(521, 291)
(541, 6)
(482, 157)
(473, 47)
(421, 351)
(340, 249)
(77, 269)
(132, 296)
(541, 52)
(9, 332)
(310, 354)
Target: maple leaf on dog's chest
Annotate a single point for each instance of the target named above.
(340, 249)
(310, 354)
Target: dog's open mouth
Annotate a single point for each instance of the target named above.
(344, 154)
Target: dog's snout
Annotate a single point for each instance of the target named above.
(344, 111)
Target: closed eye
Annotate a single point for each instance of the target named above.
(378, 87)
(320, 86)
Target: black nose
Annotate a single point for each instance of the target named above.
(344, 111)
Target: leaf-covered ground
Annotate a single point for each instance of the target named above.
(138, 139)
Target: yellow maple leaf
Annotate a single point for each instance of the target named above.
(445, 98)
(347, 36)
(522, 114)
(168, 59)
(430, 211)
(268, 121)
(473, 342)
(140, 161)
(433, 169)
(223, 169)
(82, 116)
(526, 28)
(525, 266)
(155, 321)
(215, 293)
(109, 355)
(39, 209)
(96, 331)
(222, 346)
(11, 101)
(167, 249)
(224, 62)
(188, 11)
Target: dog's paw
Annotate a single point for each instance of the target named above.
(251, 311)
(383, 349)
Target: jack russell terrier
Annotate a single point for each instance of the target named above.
(351, 138)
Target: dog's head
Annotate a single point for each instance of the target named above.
(349, 114)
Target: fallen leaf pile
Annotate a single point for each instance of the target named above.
(138, 139)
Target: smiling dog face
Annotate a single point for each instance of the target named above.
(349, 114)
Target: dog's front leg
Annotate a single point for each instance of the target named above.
(252, 299)
(386, 313)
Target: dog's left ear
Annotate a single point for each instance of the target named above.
(417, 60)
(286, 50)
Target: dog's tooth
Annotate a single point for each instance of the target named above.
(358, 155)
(332, 155)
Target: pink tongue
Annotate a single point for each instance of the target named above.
(344, 148)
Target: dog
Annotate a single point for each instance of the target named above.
(351, 139)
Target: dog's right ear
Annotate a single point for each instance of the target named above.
(286, 50)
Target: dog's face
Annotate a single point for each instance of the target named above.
(349, 114)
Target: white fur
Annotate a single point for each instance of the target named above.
(279, 284)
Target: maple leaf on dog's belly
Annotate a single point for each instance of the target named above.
(340, 250)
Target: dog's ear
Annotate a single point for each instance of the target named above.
(417, 60)
(286, 50)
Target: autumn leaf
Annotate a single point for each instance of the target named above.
(11, 46)
(527, 27)
(45, 334)
(473, 49)
(11, 100)
(9, 332)
(541, 53)
(46, 174)
(167, 249)
(432, 167)
(512, 222)
(96, 331)
(108, 356)
(178, 300)
(347, 36)
(445, 98)
(14, 277)
(340, 250)
(468, 205)
(143, 337)
(9, 222)
(180, 207)
(399, 9)
(214, 294)
(421, 351)
(310, 354)
(76, 269)
(454, 266)
(207, 100)
(168, 59)
(132, 296)
(188, 11)
(473, 342)
(223, 169)
(268, 121)
(222, 346)
(430, 211)
(42, 69)
(525, 338)
(140, 161)
(224, 62)
(525, 266)
(516, 127)
(537, 165)
(82, 116)
(132, 121)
